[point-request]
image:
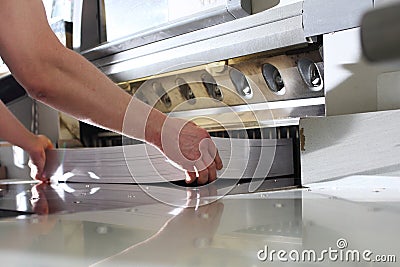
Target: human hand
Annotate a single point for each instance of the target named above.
(196, 152)
(38, 156)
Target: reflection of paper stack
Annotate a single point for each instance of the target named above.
(242, 158)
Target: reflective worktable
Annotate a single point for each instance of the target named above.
(350, 222)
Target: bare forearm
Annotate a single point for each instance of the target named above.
(66, 81)
(78, 88)
(62, 78)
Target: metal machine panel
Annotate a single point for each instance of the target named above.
(352, 84)
(86, 25)
(159, 58)
(98, 22)
(357, 144)
(190, 14)
(278, 13)
(328, 16)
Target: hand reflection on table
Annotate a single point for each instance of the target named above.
(39, 202)
(181, 236)
(45, 199)
(24, 235)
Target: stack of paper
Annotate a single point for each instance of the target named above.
(142, 163)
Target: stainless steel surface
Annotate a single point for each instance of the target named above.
(338, 146)
(319, 101)
(162, 32)
(153, 21)
(32, 197)
(35, 198)
(87, 21)
(321, 17)
(157, 20)
(220, 42)
(275, 28)
(350, 82)
(234, 231)
(272, 114)
(380, 34)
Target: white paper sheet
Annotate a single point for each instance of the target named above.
(142, 163)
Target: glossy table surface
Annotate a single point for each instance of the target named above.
(350, 222)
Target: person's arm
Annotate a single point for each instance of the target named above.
(66, 81)
(11, 130)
